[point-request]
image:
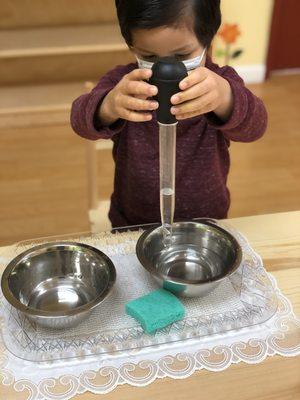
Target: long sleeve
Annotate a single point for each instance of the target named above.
(249, 118)
(84, 119)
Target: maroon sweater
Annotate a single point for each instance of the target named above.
(202, 152)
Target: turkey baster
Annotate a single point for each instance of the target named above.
(167, 73)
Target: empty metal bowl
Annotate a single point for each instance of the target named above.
(200, 256)
(58, 284)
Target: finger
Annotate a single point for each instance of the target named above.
(133, 103)
(139, 74)
(195, 91)
(193, 105)
(135, 116)
(141, 96)
(196, 76)
(141, 88)
(204, 110)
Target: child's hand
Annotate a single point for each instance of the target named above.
(203, 91)
(128, 99)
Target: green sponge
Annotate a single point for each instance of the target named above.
(156, 310)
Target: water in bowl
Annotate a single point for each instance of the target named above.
(189, 263)
(61, 294)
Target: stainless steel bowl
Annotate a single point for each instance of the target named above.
(200, 256)
(58, 284)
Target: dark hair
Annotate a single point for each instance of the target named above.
(149, 14)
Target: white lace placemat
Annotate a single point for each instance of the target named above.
(101, 374)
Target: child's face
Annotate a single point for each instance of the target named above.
(149, 44)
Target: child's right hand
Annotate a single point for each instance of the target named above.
(128, 99)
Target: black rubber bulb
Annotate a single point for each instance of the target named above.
(167, 73)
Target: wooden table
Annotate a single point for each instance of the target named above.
(277, 239)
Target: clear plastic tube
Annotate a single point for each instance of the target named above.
(167, 154)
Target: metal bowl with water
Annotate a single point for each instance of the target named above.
(57, 285)
(200, 256)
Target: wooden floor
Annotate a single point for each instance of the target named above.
(43, 173)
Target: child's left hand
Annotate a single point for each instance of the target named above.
(203, 91)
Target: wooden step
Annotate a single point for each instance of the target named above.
(16, 14)
(42, 105)
(60, 41)
(60, 54)
(23, 106)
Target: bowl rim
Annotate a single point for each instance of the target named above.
(45, 247)
(196, 282)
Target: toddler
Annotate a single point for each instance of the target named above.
(213, 108)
